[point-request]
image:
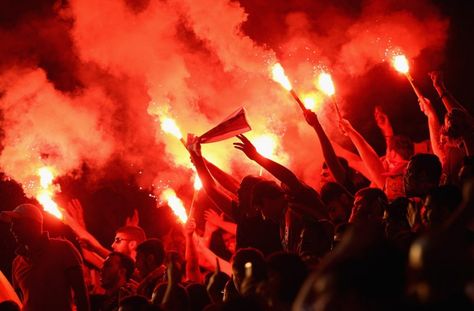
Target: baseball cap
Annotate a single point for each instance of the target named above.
(28, 211)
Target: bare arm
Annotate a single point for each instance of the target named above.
(280, 172)
(212, 217)
(434, 127)
(225, 180)
(191, 254)
(447, 98)
(367, 153)
(329, 154)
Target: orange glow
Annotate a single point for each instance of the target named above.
(175, 204)
(312, 101)
(325, 84)
(169, 126)
(46, 193)
(278, 75)
(265, 145)
(400, 63)
(197, 183)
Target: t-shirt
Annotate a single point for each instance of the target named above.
(41, 275)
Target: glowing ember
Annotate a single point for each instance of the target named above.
(400, 63)
(46, 193)
(325, 84)
(312, 101)
(266, 145)
(197, 183)
(278, 75)
(175, 204)
(169, 126)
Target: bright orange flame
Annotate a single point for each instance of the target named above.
(265, 145)
(325, 84)
(46, 193)
(169, 126)
(278, 75)
(197, 183)
(400, 63)
(175, 204)
(312, 101)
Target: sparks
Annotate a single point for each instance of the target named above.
(400, 63)
(175, 204)
(325, 84)
(46, 193)
(278, 75)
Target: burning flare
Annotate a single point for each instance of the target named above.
(400, 63)
(175, 204)
(47, 191)
(312, 101)
(197, 183)
(169, 126)
(265, 145)
(325, 84)
(278, 75)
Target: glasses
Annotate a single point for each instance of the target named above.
(118, 240)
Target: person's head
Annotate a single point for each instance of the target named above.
(456, 124)
(326, 175)
(401, 148)
(26, 223)
(9, 305)
(315, 241)
(369, 205)
(116, 271)
(439, 204)
(240, 259)
(245, 192)
(270, 199)
(127, 238)
(150, 255)
(423, 173)
(338, 201)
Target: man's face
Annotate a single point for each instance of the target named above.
(142, 265)
(337, 212)
(121, 244)
(110, 272)
(25, 230)
(326, 176)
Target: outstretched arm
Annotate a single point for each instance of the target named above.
(280, 172)
(220, 198)
(191, 254)
(434, 127)
(385, 127)
(337, 170)
(224, 179)
(447, 98)
(367, 153)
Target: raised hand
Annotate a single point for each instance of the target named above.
(133, 220)
(193, 144)
(75, 210)
(345, 126)
(246, 147)
(437, 79)
(425, 106)
(212, 217)
(311, 118)
(382, 121)
(190, 226)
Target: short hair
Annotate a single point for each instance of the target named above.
(153, 247)
(133, 232)
(402, 145)
(426, 164)
(266, 189)
(126, 262)
(370, 210)
(331, 191)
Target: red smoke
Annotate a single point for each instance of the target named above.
(81, 82)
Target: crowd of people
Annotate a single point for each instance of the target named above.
(381, 233)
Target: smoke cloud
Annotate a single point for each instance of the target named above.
(83, 80)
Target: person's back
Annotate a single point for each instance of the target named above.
(41, 275)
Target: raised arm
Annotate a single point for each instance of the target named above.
(446, 97)
(220, 198)
(337, 170)
(367, 153)
(224, 179)
(385, 127)
(191, 254)
(212, 217)
(434, 127)
(280, 172)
